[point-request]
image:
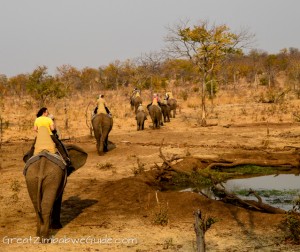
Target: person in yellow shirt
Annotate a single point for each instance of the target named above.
(101, 106)
(43, 119)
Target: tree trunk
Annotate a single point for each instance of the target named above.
(203, 109)
(200, 231)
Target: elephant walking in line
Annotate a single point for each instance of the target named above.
(165, 109)
(102, 125)
(135, 102)
(156, 115)
(46, 177)
(140, 119)
(173, 105)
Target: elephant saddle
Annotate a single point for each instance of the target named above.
(56, 159)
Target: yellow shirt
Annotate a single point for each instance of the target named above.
(155, 101)
(44, 121)
(101, 106)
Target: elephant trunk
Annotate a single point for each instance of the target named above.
(39, 189)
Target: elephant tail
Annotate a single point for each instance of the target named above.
(39, 188)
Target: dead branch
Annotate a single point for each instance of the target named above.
(163, 157)
(249, 204)
(255, 194)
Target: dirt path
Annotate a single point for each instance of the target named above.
(104, 199)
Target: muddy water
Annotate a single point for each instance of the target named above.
(278, 191)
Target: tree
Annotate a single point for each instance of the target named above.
(207, 47)
(42, 86)
(3, 84)
(70, 77)
(89, 77)
(17, 84)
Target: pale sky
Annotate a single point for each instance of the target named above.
(94, 33)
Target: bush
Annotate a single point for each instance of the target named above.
(290, 225)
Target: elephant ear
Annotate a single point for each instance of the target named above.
(77, 155)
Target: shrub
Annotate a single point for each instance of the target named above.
(290, 225)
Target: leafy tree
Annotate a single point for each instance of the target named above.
(112, 75)
(17, 84)
(70, 78)
(271, 65)
(207, 47)
(293, 69)
(42, 86)
(150, 65)
(89, 78)
(3, 84)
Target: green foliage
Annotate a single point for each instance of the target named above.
(42, 86)
(264, 80)
(212, 88)
(17, 84)
(197, 180)
(251, 170)
(161, 216)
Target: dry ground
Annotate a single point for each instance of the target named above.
(104, 199)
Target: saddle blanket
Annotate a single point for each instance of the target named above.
(54, 158)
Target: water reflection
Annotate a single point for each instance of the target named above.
(278, 191)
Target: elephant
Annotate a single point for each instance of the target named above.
(156, 115)
(135, 102)
(102, 125)
(165, 109)
(46, 176)
(173, 105)
(140, 119)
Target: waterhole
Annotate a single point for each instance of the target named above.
(276, 190)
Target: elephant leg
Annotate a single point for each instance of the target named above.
(101, 146)
(38, 225)
(45, 231)
(32, 185)
(55, 217)
(51, 188)
(106, 143)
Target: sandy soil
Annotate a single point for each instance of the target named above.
(107, 208)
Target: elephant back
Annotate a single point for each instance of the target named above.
(172, 103)
(154, 111)
(136, 102)
(103, 120)
(141, 115)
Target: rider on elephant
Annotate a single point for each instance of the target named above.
(141, 108)
(43, 120)
(101, 106)
(135, 93)
(155, 101)
(169, 95)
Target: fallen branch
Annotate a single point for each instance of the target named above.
(249, 204)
